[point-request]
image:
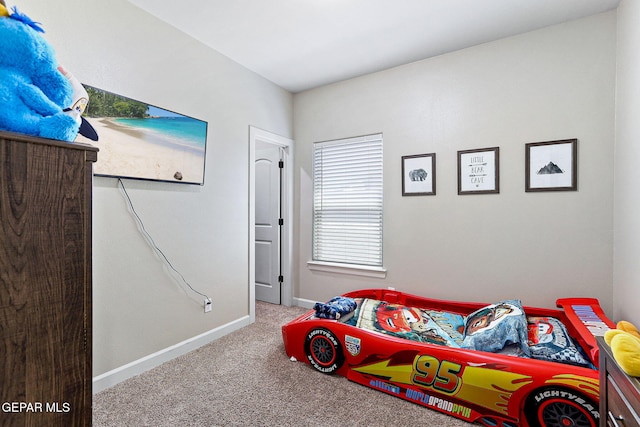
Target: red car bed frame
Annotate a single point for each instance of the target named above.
(475, 386)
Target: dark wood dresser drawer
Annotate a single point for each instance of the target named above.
(45, 282)
(620, 411)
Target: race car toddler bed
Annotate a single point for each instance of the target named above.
(496, 364)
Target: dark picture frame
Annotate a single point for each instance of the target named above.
(479, 171)
(419, 175)
(551, 165)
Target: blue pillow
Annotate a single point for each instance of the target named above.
(497, 327)
(549, 340)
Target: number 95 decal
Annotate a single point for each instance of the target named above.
(430, 372)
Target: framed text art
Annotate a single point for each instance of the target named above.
(479, 171)
(419, 175)
(551, 166)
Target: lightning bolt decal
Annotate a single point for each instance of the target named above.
(395, 373)
(490, 388)
(485, 387)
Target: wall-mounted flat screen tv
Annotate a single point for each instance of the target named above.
(141, 141)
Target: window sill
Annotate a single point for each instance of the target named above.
(356, 270)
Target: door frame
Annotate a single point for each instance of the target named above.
(286, 290)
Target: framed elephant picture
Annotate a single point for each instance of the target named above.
(419, 175)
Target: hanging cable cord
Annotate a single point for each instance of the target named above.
(152, 242)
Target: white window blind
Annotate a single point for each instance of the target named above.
(347, 201)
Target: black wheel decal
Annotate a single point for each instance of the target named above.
(555, 407)
(323, 350)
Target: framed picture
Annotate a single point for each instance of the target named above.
(141, 141)
(551, 166)
(419, 175)
(479, 171)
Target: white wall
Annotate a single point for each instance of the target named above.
(138, 309)
(626, 285)
(555, 83)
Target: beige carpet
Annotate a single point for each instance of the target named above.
(246, 379)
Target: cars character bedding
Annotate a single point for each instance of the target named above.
(497, 364)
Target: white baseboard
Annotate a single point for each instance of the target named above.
(304, 303)
(115, 376)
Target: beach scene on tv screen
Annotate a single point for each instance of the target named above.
(142, 141)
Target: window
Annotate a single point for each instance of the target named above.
(347, 201)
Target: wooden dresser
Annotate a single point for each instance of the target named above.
(619, 393)
(45, 281)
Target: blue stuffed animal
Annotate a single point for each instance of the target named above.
(33, 92)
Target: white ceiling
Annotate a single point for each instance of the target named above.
(301, 44)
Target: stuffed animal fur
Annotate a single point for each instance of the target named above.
(33, 92)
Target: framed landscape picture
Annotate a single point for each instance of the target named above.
(141, 141)
(551, 166)
(419, 175)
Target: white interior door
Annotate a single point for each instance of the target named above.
(268, 197)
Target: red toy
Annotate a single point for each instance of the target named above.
(417, 349)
